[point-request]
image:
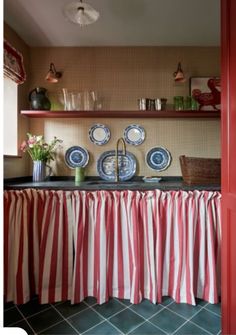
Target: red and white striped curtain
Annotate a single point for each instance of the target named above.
(67, 245)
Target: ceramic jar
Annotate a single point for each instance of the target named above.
(38, 99)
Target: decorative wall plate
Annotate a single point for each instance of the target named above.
(134, 134)
(99, 134)
(106, 165)
(76, 157)
(158, 158)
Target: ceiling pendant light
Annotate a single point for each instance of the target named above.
(80, 13)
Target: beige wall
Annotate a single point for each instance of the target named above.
(15, 167)
(121, 76)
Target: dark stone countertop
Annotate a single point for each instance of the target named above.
(95, 183)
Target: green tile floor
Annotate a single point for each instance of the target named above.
(115, 317)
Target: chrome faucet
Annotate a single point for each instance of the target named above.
(117, 156)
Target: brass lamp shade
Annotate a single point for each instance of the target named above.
(179, 74)
(53, 75)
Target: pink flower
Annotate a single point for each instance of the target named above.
(23, 146)
(38, 149)
(32, 141)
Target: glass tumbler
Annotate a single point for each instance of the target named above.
(194, 104)
(88, 101)
(187, 103)
(75, 101)
(163, 104)
(97, 100)
(178, 103)
(66, 99)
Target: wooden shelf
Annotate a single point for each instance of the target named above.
(121, 114)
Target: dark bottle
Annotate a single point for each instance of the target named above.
(38, 99)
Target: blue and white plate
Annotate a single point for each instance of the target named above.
(134, 134)
(99, 134)
(158, 158)
(152, 179)
(106, 165)
(76, 157)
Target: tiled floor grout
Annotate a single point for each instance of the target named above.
(76, 313)
(9, 308)
(165, 307)
(24, 319)
(56, 323)
(29, 316)
(100, 324)
(107, 319)
(129, 307)
(199, 326)
(139, 325)
(86, 303)
(208, 310)
(66, 319)
(13, 323)
(122, 303)
(203, 308)
(182, 316)
(157, 327)
(111, 315)
(148, 319)
(186, 321)
(189, 319)
(104, 319)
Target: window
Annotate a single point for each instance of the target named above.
(14, 74)
(10, 130)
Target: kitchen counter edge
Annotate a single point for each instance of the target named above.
(96, 184)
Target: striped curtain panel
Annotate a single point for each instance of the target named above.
(67, 245)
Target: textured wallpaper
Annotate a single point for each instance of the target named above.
(121, 76)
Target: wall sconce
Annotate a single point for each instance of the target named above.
(179, 74)
(53, 75)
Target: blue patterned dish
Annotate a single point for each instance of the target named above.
(76, 157)
(106, 165)
(152, 179)
(158, 158)
(134, 134)
(99, 134)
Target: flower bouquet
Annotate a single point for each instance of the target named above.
(40, 152)
(38, 149)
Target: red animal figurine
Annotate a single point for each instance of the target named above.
(208, 98)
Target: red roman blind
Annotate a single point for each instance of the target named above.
(13, 64)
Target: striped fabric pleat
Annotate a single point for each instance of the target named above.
(67, 245)
(56, 248)
(16, 246)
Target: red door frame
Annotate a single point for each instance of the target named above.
(228, 135)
